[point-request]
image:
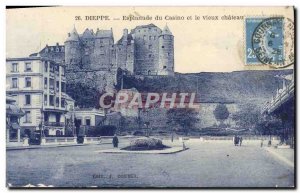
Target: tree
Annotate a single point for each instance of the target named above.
(184, 118)
(221, 113)
(247, 117)
(269, 125)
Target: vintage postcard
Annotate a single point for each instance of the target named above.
(150, 97)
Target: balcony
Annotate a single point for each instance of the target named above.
(54, 124)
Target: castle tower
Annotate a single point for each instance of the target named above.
(72, 48)
(87, 40)
(166, 52)
(103, 49)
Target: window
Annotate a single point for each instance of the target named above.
(27, 81)
(27, 99)
(51, 67)
(57, 102)
(154, 37)
(163, 47)
(150, 55)
(165, 67)
(51, 83)
(62, 71)
(79, 122)
(57, 70)
(45, 100)
(51, 100)
(14, 83)
(150, 46)
(57, 118)
(150, 37)
(57, 86)
(88, 122)
(27, 117)
(63, 87)
(168, 53)
(63, 102)
(45, 83)
(14, 67)
(27, 66)
(46, 67)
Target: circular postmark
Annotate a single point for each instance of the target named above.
(273, 42)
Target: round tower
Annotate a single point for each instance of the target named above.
(166, 52)
(72, 48)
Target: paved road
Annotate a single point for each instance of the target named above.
(205, 164)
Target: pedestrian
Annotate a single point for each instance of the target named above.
(115, 140)
(241, 140)
(236, 140)
(261, 143)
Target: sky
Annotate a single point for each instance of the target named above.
(200, 45)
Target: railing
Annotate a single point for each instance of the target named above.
(55, 124)
(221, 138)
(58, 140)
(279, 98)
(73, 140)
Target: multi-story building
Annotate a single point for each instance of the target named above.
(39, 87)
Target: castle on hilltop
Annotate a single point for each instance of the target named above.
(146, 50)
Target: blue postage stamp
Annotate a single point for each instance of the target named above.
(264, 41)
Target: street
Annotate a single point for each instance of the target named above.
(204, 164)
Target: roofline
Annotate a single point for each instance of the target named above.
(32, 58)
(24, 58)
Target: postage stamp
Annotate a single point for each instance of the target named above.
(264, 41)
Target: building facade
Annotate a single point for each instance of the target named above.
(39, 87)
(13, 115)
(145, 50)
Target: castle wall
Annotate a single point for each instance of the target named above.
(146, 50)
(138, 52)
(102, 54)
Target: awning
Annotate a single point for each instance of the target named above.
(12, 109)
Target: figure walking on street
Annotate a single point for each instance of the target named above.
(115, 141)
(241, 140)
(236, 140)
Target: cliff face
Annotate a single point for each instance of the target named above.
(239, 87)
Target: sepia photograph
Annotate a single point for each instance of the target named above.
(150, 97)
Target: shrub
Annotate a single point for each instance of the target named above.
(146, 144)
